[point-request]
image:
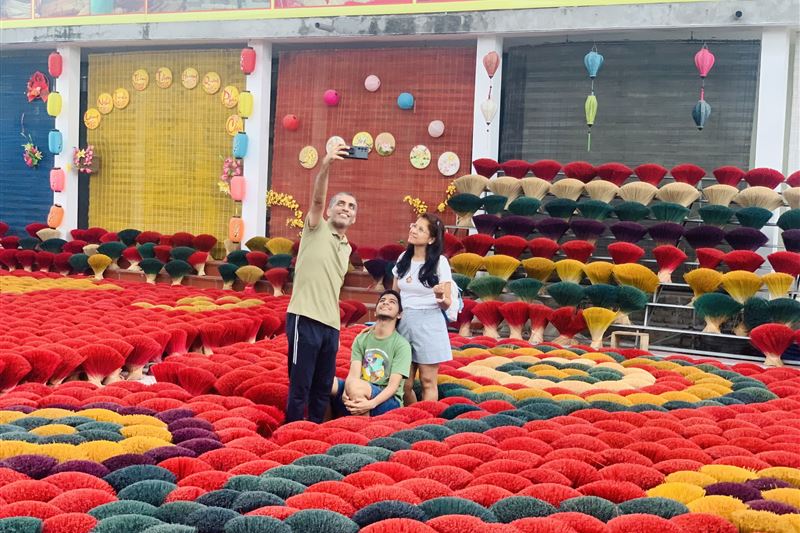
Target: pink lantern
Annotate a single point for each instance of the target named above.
(237, 188)
(491, 62)
(704, 61)
(291, 122)
(436, 128)
(57, 179)
(331, 97)
(372, 83)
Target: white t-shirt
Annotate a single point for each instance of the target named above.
(413, 293)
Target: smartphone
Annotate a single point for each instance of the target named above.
(357, 152)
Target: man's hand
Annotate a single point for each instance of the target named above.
(337, 153)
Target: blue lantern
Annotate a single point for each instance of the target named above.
(593, 61)
(405, 101)
(700, 113)
(240, 145)
(55, 142)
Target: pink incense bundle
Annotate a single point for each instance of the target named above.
(578, 250)
(624, 252)
(785, 262)
(543, 247)
(144, 351)
(43, 260)
(668, 258)
(488, 313)
(478, 243)
(277, 277)
(709, 257)
(516, 315)
(569, 322)
(743, 260)
(651, 173)
(465, 316)
(539, 316)
(100, 362)
(772, 340)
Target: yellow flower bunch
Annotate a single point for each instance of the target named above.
(286, 200)
(417, 206)
(450, 191)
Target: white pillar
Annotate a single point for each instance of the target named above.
(486, 140)
(793, 159)
(256, 162)
(68, 123)
(771, 131)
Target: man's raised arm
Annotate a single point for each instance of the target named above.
(320, 191)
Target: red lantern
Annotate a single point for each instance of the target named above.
(57, 179)
(491, 62)
(248, 60)
(237, 188)
(291, 122)
(55, 64)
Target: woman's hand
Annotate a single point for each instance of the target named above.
(442, 294)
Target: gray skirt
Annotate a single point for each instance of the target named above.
(426, 331)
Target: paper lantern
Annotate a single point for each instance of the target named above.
(704, 61)
(436, 128)
(405, 101)
(593, 61)
(372, 83)
(235, 229)
(55, 217)
(700, 113)
(247, 60)
(237, 188)
(590, 108)
(245, 104)
(240, 145)
(55, 142)
(331, 97)
(55, 64)
(54, 104)
(490, 62)
(57, 179)
(291, 122)
(489, 110)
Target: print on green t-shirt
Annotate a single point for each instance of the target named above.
(380, 358)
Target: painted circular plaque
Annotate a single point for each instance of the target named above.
(420, 157)
(105, 103)
(449, 164)
(385, 144)
(92, 118)
(211, 82)
(140, 79)
(164, 77)
(308, 157)
(230, 96)
(362, 138)
(332, 142)
(234, 125)
(189, 78)
(121, 98)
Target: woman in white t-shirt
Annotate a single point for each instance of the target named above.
(423, 278)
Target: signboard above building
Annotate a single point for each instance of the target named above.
(35, 13)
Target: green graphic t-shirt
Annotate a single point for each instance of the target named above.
(380, 358)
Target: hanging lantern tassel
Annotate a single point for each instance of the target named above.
(590, 107)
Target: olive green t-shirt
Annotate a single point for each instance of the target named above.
(380, 358)
(322, 262)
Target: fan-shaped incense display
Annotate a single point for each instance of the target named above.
(587, 230)
(746, 239)
(539, 315)
(227, 272)
(552, 228)
(177, 270)
(526, 289)
(638, 191)
(486, 224)
(753, 217)
(715, 215)
(99, 263)
(580, 170)
(510, 245)
(595, 209)
(764, 177)
(467, 264)
(598, 320)
(249, 275)
(543, 247)
(568, 321)
(473, 184)
(599, 271)
(546, 169)
(650, 173)
(603, 191)
(704, 236)
(534, 187)
(464, 205)
(516, 316)
(628, 231)
(488, 313)
(669, 258)
(567, 188)
(517, 225)
(678, 193)
(506, 186)
(452, 246)
(785, 262)
(743, 260)
(539, 268)
(703, 280)
(602, 295)
(729, 175)
(759, 197)
(516, 168)
(778, 284)
(790, 220)
(494, 203)
(487, 288)
(502, 266)
(569, 270)
(478, 243)
(792, 197)
(785, 311)
(524, 206)
(773, 340)
(624, 252)
(715, 309)
(631, 211)
(486, 167)
(709, 257)
(578, 250)
(720, 194)
(688, 173)
(741, 284)
(791, 239)
(630, 300)
(616, 173)
(151, 268)
(669, 212)
(636, 275)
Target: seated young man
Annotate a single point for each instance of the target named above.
(380, 363)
